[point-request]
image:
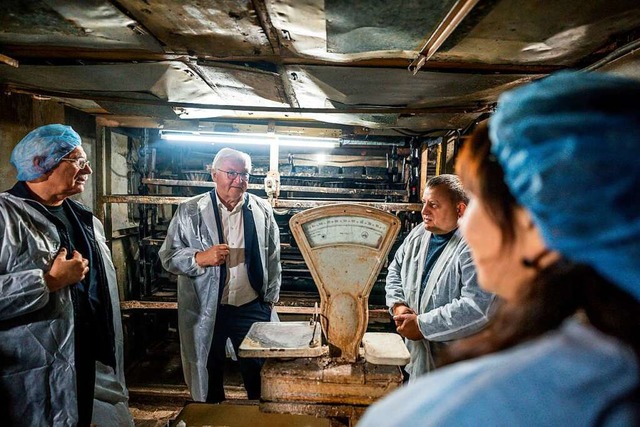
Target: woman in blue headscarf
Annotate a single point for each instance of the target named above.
(554, 229)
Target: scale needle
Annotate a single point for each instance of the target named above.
(314, 319)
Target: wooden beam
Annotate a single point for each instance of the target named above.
(9, 61)
(279, 203)
(375, 314)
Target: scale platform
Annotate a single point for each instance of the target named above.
(283, 339)
(303, 339)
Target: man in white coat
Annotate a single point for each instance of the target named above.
(225, 248)
(431, 285)
(61, 344)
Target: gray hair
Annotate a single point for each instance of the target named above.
(230, 153)
(452, 184)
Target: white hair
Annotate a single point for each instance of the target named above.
(230, 153)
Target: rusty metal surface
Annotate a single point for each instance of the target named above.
(356, 27)
(253, 59)
(215, 28)
(159, 391)
(245, 86)
(510, 32)
(283, 204)
(517, 32)
(448, 24)
(349, 86)
(147, 305)
(376, 115)
(9, 61)
(344, 247)
(294, 188)
(152, 200)
(93, 24)
(387, 207)
(375, 315)
(325, 381)
(154, 84)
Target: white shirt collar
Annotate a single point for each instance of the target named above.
(221, 205)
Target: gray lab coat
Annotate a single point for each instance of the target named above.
(193, 229)
(452, 305)
(37, 373)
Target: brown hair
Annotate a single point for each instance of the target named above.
(452, 185)
(482, 175)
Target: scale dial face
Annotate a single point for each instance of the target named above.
(344, 247)
(347, 230)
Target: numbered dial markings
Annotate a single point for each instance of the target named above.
(345, 229)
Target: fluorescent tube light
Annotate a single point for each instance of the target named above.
(250, 138)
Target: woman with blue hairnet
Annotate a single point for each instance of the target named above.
(60, 328)
(554, 229)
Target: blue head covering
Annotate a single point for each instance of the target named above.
(50, 143)
(568, 145)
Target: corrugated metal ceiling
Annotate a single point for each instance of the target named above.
(332, 61)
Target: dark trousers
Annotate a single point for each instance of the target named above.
(234, 323)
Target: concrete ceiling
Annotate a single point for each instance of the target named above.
(336, 62)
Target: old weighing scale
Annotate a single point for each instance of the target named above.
(344, 246)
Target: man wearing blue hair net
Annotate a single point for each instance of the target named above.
(554, 229)
(60, 327)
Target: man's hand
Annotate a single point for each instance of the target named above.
(215, 255)
(407, 326)
(400, 308)
(65, 272)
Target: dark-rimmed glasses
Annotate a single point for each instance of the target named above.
(244, 176)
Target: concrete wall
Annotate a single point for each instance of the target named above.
(19, 114)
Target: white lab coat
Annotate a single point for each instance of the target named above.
(37, 373)
(193, 229)
(452, 305)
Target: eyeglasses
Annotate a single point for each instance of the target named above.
(80, 162)
(244, 176)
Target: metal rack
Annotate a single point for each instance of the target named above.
(167, 176)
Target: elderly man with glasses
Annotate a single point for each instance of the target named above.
(225, 248)
(60, 329)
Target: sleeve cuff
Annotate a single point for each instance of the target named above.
(423, 326)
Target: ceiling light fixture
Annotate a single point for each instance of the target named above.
(250, 138)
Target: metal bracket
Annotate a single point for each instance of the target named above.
(444, 30)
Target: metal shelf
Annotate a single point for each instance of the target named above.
(277, 203)
(283, 188)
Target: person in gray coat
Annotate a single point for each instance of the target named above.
(225, 248)
(431, 286)
(61, 359)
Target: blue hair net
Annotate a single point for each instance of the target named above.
(568, 145)
(49, 143)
